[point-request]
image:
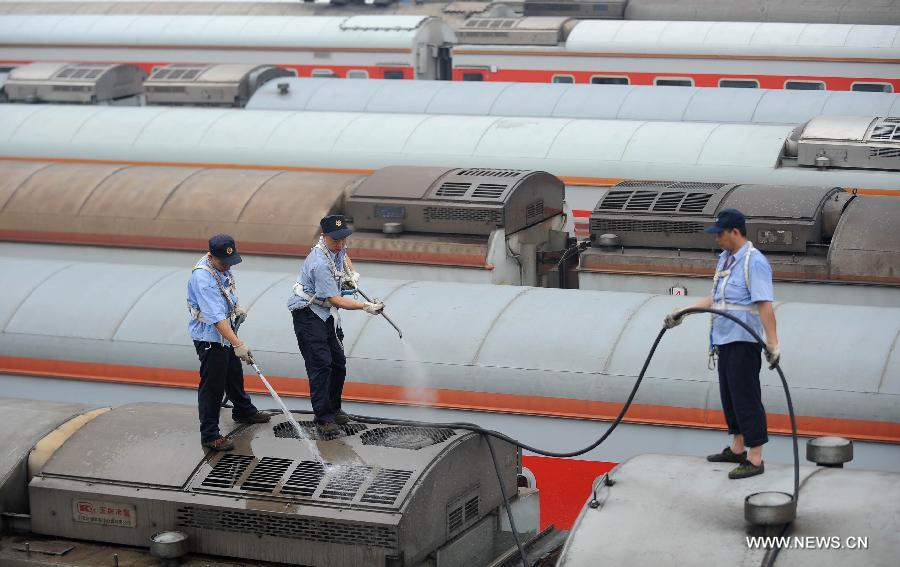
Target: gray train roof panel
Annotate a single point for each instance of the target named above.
(840, 360)
(833, 11)
(702, 520)
(694, 104)
(739, 153)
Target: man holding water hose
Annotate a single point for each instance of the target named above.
(317, 296)
(742, 285)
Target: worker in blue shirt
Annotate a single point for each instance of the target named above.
(317, 296)
(215, 316)
(742, 285)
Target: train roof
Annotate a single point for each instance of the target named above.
(579, 151)
(362, 31)
(691, 513)
(691, 104)
(737, 39)
(841, 361)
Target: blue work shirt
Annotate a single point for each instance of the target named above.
(318, 281)
(203, 293)
(725, 330)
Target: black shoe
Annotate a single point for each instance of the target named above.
(341, 417)
(219, 444)
(747, 469)
(328, 429)
(727, 456)
(258, 417)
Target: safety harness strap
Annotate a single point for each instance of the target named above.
(195, 311)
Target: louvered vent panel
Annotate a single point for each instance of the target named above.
(452, 189)
(641, 201)
(386, 487)
(406, 437)
(471, 509)
(492, 172)
(345, 482)
(227, 471)
(630, 225)
(695, 202)
(884, 152)
(285, 430)
(534, 211)
(488, 191)
(668, 202)
(485, 216)
(455, 519)
(266, 474)
(615, 200)
(304, 479)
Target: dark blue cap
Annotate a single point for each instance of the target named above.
(336, 226)
(222, 247)
(726, 220)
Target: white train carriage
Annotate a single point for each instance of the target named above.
(384, 47)
(703, 54)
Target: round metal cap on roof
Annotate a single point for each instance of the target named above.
(829, 451)
(770, 508)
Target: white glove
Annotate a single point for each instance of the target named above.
(373, 308)
(243, 352)
(773, 355)
(240, 315)
(354, 280)
(673, 319)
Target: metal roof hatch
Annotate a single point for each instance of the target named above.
(80, 83)
(515, 31)
(229, 85)
(847, 142)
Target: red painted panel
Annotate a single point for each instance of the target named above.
(565, 485)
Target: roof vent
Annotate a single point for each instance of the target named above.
(770, 509)
(285, 430)
(850, 142)
(230, 84)
(829, 451)
(514, 31)
(581, 9)
(266, 474)
(406, 437)
(83, 83)
(227, 471)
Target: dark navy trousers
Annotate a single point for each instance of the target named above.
(326, 365)
(220, 373)
(739, 365)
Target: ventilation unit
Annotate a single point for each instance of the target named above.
(82, 83)
(581, 9)
(667, 214)
(455, 201)
(373, 496)
(212, 85)
(847, 141)
(515, 31)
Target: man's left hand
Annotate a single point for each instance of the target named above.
(773, 355)
(240, 315)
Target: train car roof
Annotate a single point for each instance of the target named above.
(92, 318)
(621, 102)
(576, 150)
(364, 31)
(736, 39)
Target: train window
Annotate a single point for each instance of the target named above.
(473, 77)
(393, 74)
(357, 74)
(598, 80)
(739, 83)
(660, 82)
(566, 79)
(324, 73)
(804, 85)
(872, 87)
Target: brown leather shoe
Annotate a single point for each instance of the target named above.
(258, 417)
(219, 444)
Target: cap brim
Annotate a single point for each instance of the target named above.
(714, 229)
(339, 234)
(232, 260)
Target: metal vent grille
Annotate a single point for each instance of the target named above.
(266, 474)
(227, 471)
(485, 216)
(695, 202)
(462, 512)
(345, 482)
(884, 152)
(288, 527)
(492, 172)
(386, 487)
(654, 201)
(304, 480)
(471, 509)
(452, 189)
(670, 184)
(631, 225)
(534, 211)
(888, 130)
(285, 430)
(641, 201)
(455, 519)
(489, 191)
(489, 23)
(165, 89)
(405, 437)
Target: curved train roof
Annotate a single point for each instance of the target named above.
(842, 361)
(583, 153)
(364, 32)
(740, 39)
(833, 11)
(759, 106)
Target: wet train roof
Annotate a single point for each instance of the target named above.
(759, 106)
(684, 511)
(354, 142)
(842, 361)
